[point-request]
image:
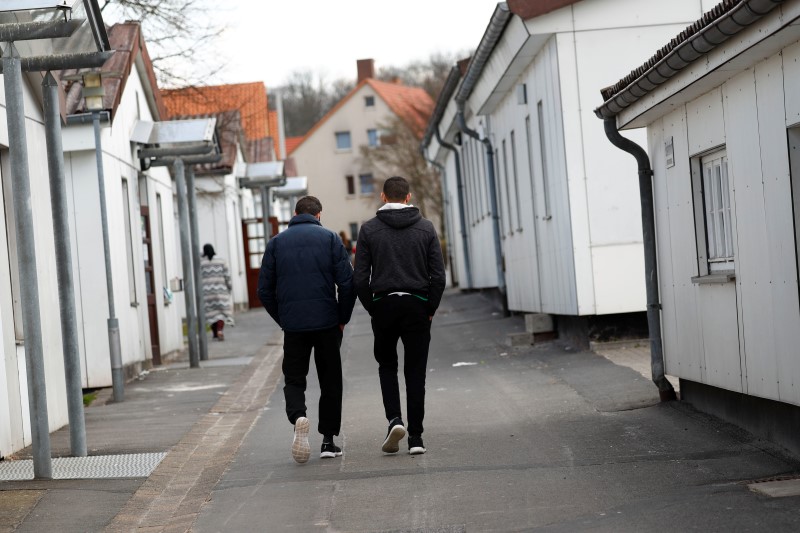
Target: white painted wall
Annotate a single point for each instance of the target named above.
(14, 414)
(741, 335)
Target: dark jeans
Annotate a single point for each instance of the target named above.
(297, 348)
(402, 318)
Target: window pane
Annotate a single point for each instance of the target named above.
(126, 215)
(343, 140)
(710, 224)
(369, 101)
(351, 184)
(726, 208)
(372, 137)
(367, 184)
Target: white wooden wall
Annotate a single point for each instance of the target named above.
(14, 413)
(743, 335)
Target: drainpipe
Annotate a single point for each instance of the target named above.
(445, 194)
(462, 221)
(501, 277)
(665, 390)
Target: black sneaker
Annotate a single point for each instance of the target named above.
(330, 450)
(391, 444)
(415, 446)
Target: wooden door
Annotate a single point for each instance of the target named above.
(254, 246)
(149, 277)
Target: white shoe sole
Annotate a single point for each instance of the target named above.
(301, 449)
(329, 455)
(392, 442)
(416, 450)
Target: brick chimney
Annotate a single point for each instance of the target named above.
(366, 69)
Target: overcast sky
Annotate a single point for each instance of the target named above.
(268, 39)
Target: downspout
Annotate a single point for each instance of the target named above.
(665, 390)
(447, 232)
(498, 251)
(462, 220)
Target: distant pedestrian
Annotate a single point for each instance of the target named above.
(217, 288)
(347, 245)
(399, 277)
(302, 269)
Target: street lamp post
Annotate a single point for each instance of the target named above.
(93, 94)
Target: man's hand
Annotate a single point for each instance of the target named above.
(341, 327)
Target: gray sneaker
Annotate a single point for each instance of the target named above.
(301, 449)
(391, 444)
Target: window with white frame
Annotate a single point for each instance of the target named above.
(717, 211)
(126, 215)
(372, 137)
(343, 140)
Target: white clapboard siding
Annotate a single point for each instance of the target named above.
(781, 295)
(751, 238)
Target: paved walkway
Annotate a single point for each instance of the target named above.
(534, 438)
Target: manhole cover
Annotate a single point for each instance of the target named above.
(93, 467)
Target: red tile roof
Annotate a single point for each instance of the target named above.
(412, 104)
(249, 99)
(292, 143)
(127, 41)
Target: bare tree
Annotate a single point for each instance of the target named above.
(398, 154)
(180, 37)
(429, 74)
(306, 99)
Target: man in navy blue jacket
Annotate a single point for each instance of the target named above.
(301, 270)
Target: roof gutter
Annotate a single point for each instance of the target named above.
(712, 30)
(475, 69)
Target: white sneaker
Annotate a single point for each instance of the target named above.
(301, 449)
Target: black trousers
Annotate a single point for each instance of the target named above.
(402, 318)
(297, 348)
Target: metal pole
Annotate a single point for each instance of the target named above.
(26, 261)
(198, 278)
(265, 213)
(186, 257)
(66, 293)
(115, 350)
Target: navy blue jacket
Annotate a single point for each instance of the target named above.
(301, 270)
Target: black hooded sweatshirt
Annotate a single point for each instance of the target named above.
(398, 250)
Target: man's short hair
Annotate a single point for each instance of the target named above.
(308, 205)
(396, 189)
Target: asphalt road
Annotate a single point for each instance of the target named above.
(518, 439)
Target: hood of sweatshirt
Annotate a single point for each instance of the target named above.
(399, 218)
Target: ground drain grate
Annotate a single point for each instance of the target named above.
(92, 467)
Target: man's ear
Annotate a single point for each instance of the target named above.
(384, 199)
(318, 215)
(408, 197)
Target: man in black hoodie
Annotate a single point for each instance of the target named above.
(399, 278)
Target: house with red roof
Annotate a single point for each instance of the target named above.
(329, 154)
